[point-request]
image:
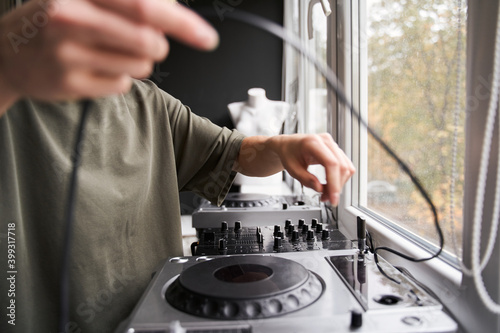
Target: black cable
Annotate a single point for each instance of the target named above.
(68, 219)
(369, 241)
(333, 82)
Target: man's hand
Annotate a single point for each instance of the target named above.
(68, 49)
(263, 156)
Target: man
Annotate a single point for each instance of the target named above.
(142, 147)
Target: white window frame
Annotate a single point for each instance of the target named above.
(457, 292)
(353, 139)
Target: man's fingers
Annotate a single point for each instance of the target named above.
(76, 56)
(299, 172)
(322, 154)
(338, 168)
(97, 27)
(346, 168)
(346, 164)
(171, 19)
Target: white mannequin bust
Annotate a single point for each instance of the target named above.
(258, 115)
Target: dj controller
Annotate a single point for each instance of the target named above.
(288, 237)
(257, 209)
(296, 275)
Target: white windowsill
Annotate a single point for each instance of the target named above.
(435, 273)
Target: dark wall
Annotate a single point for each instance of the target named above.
(246, 58)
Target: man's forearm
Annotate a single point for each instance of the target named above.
(258, 157)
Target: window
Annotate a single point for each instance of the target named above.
(398, 61)
(404, 60)
(315, 84)
(411, 71)
(305, 87)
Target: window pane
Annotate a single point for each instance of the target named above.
(315, 92)
(316, 83)
(411, 66)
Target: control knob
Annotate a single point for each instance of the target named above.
(356, 319)
(222, 244)
(277, 229)
(237, 226)
(277, 244)
(223, 226)
(325, 235)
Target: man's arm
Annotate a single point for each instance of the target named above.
(263, 156)
(54, 50)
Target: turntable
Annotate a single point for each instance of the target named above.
(256, 209)
(240, 288)
(317, 291)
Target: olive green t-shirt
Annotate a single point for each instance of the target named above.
(140, 149)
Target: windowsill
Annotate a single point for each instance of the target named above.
(442, 278)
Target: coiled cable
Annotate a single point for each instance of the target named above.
(334, 84)
(477, 265)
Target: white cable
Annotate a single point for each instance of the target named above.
(491, 241)
(483, 170)
(456, 120)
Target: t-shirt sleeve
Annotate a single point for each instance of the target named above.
(204, 152)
